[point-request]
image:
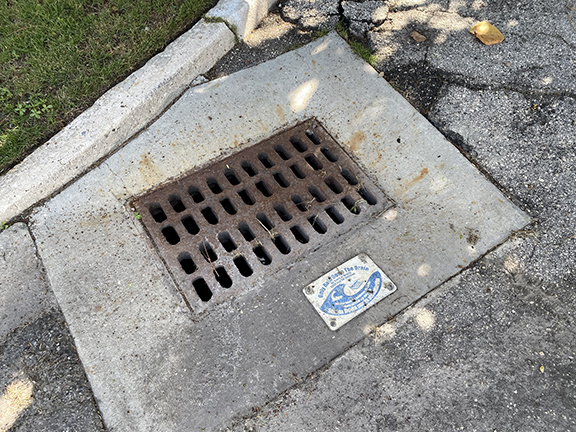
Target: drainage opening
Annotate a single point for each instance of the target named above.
(317, 224)
(214, 185)
(353, 206)
(187, 263)
(282, 212)
(228, 206)
(207, 252)
(157, 213)
(243, 266)
(246, 231)
(262, 255)
(227, 242)
(222, 277)
(231, 176)
(250, 170)
(202, 289)
(246, 196)
(298, 171)
(300, 234)
(195, 193)
(281, 245)
(190, 225)
(209, 215)
(176, 203)
(264, 189)
(170, 235)
(335, 215)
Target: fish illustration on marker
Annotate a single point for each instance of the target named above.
(343, 299)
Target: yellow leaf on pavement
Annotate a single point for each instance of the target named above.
(487, 33)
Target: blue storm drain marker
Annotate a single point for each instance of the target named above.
(348, 290)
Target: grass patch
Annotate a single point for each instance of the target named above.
(58, 56)
(358, 48)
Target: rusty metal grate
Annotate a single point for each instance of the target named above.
(257, 211)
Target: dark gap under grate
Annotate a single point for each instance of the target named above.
(257, 211)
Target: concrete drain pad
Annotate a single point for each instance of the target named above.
(155, 365)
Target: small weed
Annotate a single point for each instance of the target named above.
(294, 47)
(137, 215)
(320, 33)
(3, 226)
(355, 208)
(358, 48)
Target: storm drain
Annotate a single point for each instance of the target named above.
(257, 211)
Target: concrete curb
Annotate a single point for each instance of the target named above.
(126, 108)
(241, 15)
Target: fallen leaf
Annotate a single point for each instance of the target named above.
(487, 33)
(418, 37)
(542, 369)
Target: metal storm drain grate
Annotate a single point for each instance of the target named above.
(257, 211)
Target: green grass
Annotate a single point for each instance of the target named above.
(58, 56)
(358, 48)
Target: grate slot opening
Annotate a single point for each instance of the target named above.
(298, 144)
(280, 179)
(157, 213)
(281, 244)
(246, 196)
(335, 215)
(282, 212)
(243, 266)
(351, 205)
(282, 152)
(328, 154)
(195, 193)
(246, 231)
(202, 289)
(190, 225)
(333, 185)
(207, 252)
(228, 206)
(317, 224)
(214, 185)
(266, 161)
(231, 176)
(209, 215)
(264, 189)
(249, 168)
(317, 194)
(176, 203)
(299, 234)
(313, 137)
(300, 203)
(226, 241)
(187, 263)
(170, 235)
(314, 162)
(222, 277)
(350, 178)
(298, 171)
(265, 221)
(367, 195)
(262, 255)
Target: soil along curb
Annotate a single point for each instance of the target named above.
(115, 117)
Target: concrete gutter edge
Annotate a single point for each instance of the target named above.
(126, 108)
